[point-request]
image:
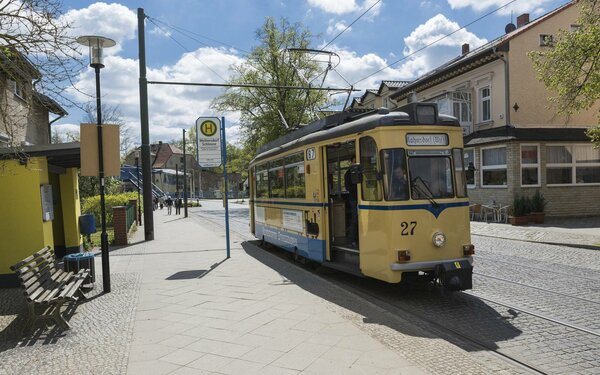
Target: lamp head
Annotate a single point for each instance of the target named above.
(96, 44)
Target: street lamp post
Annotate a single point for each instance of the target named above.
(96, 44)
(137, 171)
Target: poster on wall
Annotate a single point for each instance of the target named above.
(47, 204)
(293, 220)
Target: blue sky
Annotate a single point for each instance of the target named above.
(225, 30)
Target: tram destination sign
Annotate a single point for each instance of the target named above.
(208, 141)
(427, 139)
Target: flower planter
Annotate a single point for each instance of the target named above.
(519, 220)
(537, 217)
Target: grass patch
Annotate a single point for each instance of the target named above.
(95, 237)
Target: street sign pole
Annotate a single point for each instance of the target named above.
(211, 147)
(224, 152)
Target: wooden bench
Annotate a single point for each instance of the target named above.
(48, 287)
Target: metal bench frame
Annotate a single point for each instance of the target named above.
(48, 287)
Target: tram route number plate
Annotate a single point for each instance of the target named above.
(311, 154)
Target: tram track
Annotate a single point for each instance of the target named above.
(537, 288)
(520, 264)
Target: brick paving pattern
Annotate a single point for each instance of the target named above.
(98, 342)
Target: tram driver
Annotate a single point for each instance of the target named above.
(399, 191)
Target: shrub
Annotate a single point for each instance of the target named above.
(92, 205)
(538, 202)
(519, 206)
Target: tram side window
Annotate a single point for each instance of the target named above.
(276, 179)
(294, 176)
(371, 188)
(395, 179)
(459, 172)
(262, 181)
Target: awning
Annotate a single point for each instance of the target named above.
(64, 155)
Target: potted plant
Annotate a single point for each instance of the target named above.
(538, 202)
(519, 211)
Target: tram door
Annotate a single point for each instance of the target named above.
(343, 199)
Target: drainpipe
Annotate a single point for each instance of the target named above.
(506, 86)
(50, 127)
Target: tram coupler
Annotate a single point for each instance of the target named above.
(454, 276)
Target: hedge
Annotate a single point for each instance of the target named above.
(91, 205)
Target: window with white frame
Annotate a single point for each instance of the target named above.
(461, 106)
(470, 167)
(530, 165)
(493, 167)
(572, 165)
(16, 88)
(485, 104)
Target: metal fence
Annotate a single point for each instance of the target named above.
(130, 216)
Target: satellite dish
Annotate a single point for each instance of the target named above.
(510, 28)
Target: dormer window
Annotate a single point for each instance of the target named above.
(546, 40)
(17, 88)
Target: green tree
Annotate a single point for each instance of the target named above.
(35, 45)
(571, 67)
(271, 63)
(238, 159)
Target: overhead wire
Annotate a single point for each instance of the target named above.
(436, 41)
(183, 31)
(352, 23)
(186, 49)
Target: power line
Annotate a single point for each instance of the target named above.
(436, 41)
(182, 31)
(185, 49)
(352, 23)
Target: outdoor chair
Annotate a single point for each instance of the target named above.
(475, 211)
(488, 213)
(503, 213)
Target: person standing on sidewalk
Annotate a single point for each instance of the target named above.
(169, 203)
(178, 204)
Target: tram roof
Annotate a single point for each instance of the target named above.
(349, 122)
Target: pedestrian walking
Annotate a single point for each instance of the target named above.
(178, 204)
(169, 203)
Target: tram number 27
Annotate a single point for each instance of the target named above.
(408, 228)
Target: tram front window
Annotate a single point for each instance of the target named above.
(431, 177)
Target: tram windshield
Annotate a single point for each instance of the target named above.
(417, 174)
(430, 176)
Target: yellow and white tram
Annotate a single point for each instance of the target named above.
(382, 194)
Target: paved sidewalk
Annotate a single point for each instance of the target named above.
(582, 232)
(199, 313)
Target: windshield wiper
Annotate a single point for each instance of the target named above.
(428, 194)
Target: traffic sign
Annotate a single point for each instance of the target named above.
(208, 141)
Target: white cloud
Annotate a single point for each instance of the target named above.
(336, 27)
(339, 7)
(113, 21)
(518, 7)
(443, 50)
(171, 108)
(334, 6)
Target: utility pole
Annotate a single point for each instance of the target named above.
(185, 192)
(146, 167)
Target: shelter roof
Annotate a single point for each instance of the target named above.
(65, 155)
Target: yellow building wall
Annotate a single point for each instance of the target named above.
(71, 209)
(535, 110)
(22, 230)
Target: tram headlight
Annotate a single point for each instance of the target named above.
(439, 239)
